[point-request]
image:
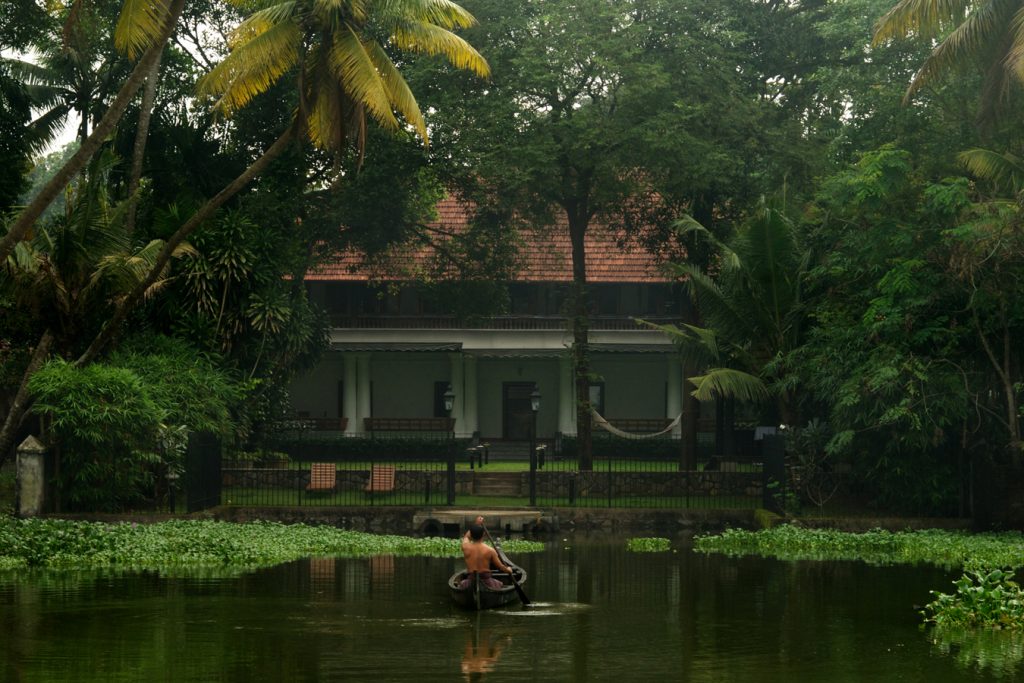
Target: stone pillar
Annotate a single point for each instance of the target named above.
(459, 387)
(31, 474)
(362, 388)
(674, 402)
(566, 397)
(469, 407)
(349, 401)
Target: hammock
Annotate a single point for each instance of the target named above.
(608, 427)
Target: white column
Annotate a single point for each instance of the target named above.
(674, 402)
(566, 397)
(458, 387)
(362, 388)
(349, 406)
(469, 385)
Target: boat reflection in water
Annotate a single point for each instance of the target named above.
(483, 649)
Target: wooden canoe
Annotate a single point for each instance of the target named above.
(478, 596)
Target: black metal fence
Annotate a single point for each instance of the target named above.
(474, 477)
(337, 483)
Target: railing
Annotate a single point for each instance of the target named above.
(347, 483)
(506, 322)
(645, 483)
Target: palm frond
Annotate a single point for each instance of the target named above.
(443, 13)
(357, 74)
(253, 66)
(326, 120)
(139, 25)
(976, 33)
(922, 17)
(122, 271)
(1015, 57)
(1006, 170)
(688, 225)
(728, 383)
(697, 346)
(435, 40)
(398, 90)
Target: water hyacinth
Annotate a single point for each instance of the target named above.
(648, 545)
(988, 598)
(947, 549)
(63, 544)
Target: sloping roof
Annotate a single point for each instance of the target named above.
(545, 255)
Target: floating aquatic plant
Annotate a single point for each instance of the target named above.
(63, 544)
(648, 545)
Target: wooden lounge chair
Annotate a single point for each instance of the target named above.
(382, 479)
(323, 476)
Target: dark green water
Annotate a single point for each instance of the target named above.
(600, 614)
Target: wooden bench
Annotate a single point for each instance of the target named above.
(382, 479)
(323, 476)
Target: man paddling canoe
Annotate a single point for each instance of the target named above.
(480, 557)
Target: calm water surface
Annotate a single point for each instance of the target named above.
(599, 614)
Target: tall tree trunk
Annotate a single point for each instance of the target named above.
(580, 339)
(21, 400)
(113, 324)
(691, 406)
(31, 213)
(1003, 368)
(139, 149)
(691, 412)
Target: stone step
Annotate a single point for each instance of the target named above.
(497, 483)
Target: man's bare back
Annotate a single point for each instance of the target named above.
(479, 556)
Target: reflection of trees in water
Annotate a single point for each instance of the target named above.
(999, 653)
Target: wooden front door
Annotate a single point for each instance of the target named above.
(518, 418)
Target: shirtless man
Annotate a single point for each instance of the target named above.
(480, 557)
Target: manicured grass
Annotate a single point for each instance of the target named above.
(183, 545)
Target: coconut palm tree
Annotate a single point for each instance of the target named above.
(142, 30)
(336, 50)
(966, 32)
(74, 271)
(752, 312)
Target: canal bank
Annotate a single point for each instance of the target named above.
(448, 521)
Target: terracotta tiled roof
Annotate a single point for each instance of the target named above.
(545, 255)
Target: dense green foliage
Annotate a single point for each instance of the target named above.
(180, 545)
(943, 548)
(877, 302)
(120, 426)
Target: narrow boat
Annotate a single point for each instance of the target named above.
(478, 596)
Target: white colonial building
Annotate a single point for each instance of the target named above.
(392, 356)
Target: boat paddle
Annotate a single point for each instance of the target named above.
(512, 575)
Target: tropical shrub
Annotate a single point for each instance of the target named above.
(104, 426)
(120, 427)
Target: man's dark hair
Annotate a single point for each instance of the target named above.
(476, 532)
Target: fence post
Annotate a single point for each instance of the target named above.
(533, 477)
(31, 477)
(609, 463)
(451, 476)
(773, 486)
